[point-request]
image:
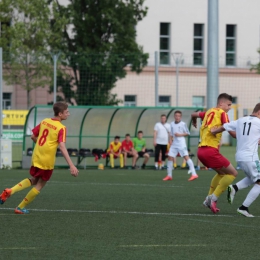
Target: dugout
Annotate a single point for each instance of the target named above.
(95, 127)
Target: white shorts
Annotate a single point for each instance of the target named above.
(251, 169)
(173, 152)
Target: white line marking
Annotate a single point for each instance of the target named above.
(18, 248)
(125, 212)
(159, 245)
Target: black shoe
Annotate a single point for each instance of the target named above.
(134, 167)
(143, 166)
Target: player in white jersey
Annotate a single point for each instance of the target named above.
(178, 132)
(248, 135)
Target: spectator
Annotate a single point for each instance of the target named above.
(139, 146)
(129, 151)
(161, 139)
(114, 151)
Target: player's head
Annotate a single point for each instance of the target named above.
(140, 134)
(163, 118)
(127, 137)
(116, 139)
(224, 102)
(177, 116)
(256, 110)
(60, 110)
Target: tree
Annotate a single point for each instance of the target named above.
(100, 44)
(27, 41)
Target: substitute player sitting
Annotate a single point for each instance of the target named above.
(178, 132)
(48, 135)
(208, 151)
(129, 151)
(115, 151)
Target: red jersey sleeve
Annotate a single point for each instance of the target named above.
(202, 115)
(224, 118)
(62, 135)
(36, 130)
(131, 145)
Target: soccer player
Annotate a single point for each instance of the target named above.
(208, 151)
(139, 146)
(115, 151)
(48, 135)
(160, 139)
(248, 135)
(129, 151)
(178, 132)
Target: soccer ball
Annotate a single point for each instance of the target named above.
(101, 166)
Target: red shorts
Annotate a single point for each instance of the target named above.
(45, 175)
(211, 157)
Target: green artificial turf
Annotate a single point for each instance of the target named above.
(125, 214)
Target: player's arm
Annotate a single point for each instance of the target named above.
(154, 137)
(196, 115)
(34, 138)
(73, 170)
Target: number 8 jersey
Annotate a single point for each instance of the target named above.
(214, 117)
(50, 133)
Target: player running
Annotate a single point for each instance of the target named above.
(48, 135)
(248, 135)
(178, 132)
(208, 151)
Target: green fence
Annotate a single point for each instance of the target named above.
(95, 127)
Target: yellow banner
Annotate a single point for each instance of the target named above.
(14, 117)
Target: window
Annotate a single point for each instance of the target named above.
(7, 101)
(130, 101)
(164, 101)
(165, 54)
(198, 44)
(230, 45)
(198, 101)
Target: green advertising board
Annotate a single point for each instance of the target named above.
(14, 135)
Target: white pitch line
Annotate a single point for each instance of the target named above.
(159, 245)
(18, 248)
(125, 212)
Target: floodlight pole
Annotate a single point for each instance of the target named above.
(177, 57)
(213, 54)
(55, 58)
(1, 93)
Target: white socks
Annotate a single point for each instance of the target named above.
(244, 183)
(169, 168)
(191, 166)
(252, 195)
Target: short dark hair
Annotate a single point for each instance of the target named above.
(257, 108)
(140, 132)
(163, 115)
(59, 107)
(177, 112)
(127, 135)
(117, 137)
(225, 96)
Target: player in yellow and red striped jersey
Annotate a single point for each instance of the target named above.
(48, 135)
(208, 151)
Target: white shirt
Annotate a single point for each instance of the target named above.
(180, 128)
(163, 131)
(248, 134)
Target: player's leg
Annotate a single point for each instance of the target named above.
(156, 156)
(18, 187)
(112, 161)
(183, 164)
(30, 196)
(251, 197)
(125, 158)
(146, 159)
(121, 160)
(175, 162)
(172, 153)
(160, 160)
(194, 175)
(163, 149)
(134, 158)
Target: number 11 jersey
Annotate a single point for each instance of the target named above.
(50, 132)
(214, 117)
(248, 134)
